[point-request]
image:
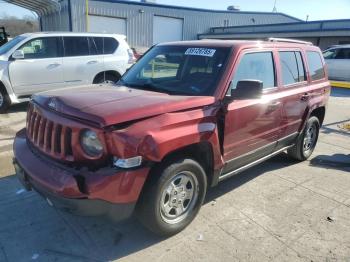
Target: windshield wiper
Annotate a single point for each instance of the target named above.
(149, 87)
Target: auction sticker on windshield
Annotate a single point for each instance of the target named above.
(200, 51)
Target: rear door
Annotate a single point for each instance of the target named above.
(251, 126)
(41, 69)
(297, 91)
(294, 93)
(80, 64)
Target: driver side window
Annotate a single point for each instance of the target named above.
(255, 66)
(39, 48)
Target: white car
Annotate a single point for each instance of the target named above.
(36, 62)
(338, 62)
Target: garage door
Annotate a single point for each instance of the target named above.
(167, 29)
(110, 25)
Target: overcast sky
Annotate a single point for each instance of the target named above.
(316, 9)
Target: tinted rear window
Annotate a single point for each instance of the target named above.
(343, 53)
(315, 65)
(103, 45)
(76, 46)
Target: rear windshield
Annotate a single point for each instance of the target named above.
(179, 70)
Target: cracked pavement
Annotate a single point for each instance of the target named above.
(280, 210)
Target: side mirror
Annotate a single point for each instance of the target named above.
(248, 89)
(18, 54)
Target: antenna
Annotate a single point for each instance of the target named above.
(274, 7)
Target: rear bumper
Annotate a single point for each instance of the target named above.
(105, 192)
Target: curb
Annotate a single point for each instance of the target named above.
(340, 84)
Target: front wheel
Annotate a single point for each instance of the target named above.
(306, 141)
(170, 203)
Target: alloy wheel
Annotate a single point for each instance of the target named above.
(310, 138)
(179, 197)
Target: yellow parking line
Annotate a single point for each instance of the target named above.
(340, 84)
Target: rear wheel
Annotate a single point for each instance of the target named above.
(170, 203)
(307, 141)
(5, 101)
(106, 78)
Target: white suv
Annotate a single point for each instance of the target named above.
(36, 62)
(338, 62)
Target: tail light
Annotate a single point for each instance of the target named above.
(132, 58)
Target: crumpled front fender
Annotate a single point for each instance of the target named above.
(156, 137)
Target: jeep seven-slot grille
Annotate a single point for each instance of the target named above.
(50, 137)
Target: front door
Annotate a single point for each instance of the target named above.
(41, 68)
(252, 125)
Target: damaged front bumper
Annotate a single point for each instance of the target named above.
(105, 192)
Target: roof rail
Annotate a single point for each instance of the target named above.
(286, 40)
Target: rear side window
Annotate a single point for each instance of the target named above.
(39, 48)
(343, 53)
(315, 64)
(256, 66)
(292, 67)
(76, 46)
(104, 45)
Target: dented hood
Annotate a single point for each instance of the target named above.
(109, 104)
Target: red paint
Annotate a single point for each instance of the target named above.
(158, 124)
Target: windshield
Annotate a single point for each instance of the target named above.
(329, 54)
(178, 70)
(8, 46)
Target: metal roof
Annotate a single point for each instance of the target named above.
(131, 2)
(38, 6)
(325, 28)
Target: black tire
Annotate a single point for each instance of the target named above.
(106, 78)
(5, 101)
(150, 208)
(307, 140)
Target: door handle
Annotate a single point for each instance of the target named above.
(54, 65)
(92, 62)
(305, 97)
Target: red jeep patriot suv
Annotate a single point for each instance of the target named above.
(185, 117)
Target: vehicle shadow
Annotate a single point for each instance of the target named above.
(28, 224)
(336, 161)
(280, 161)
(16, 108)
